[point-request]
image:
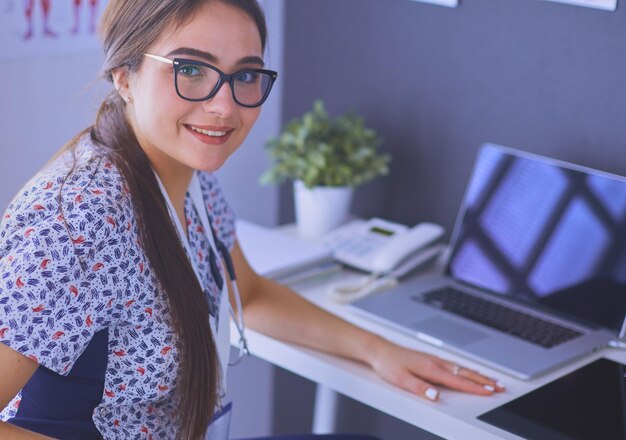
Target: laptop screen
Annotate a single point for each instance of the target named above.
(545, 232)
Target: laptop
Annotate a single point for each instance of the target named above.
(535, 274)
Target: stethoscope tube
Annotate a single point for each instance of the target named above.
(221, 247)
(230, 268)
(213, 264)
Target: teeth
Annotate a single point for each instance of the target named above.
(208, 132)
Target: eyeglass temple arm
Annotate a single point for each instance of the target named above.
(158, 58)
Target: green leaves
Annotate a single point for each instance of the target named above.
(322, 151)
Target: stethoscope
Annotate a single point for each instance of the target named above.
(214, 243)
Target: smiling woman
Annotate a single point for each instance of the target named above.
(114, 304)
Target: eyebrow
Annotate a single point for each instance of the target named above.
(212, 58)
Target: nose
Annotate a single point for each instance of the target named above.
(222, 103)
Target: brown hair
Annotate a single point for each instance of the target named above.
(128, 29)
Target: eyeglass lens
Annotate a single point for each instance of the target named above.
(196, 82)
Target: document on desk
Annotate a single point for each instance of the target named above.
(448, 3)
(276, 255)
(607, 5)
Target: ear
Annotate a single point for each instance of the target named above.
(121, 81)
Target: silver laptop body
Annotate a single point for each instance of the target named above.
(540, 247)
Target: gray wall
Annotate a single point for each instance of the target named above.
(437, 83)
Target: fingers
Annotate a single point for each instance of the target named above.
(419, 387)
(421, 374)
(488, 383)
(434, 371)
(462, 379)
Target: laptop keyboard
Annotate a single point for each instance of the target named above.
(499, 317)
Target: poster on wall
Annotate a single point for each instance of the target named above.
(31, 28)
(448, 3)
(607, 5)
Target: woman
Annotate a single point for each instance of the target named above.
(110, 256)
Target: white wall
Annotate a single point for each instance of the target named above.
(45, 101)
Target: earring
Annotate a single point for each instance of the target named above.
(128, 99)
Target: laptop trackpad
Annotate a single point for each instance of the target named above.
(448, 331)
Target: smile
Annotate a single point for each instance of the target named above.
(210, 135)
(208, 132)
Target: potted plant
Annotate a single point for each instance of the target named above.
(326, 158)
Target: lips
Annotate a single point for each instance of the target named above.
(213, 135)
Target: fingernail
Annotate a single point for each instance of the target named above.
(500, 384)
(489, 388)
(432, 393)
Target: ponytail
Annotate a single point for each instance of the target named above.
(128, 29)
(198, 372)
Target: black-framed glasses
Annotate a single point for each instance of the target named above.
(198, 81)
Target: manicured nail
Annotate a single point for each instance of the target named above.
(432, 393)
(489, 388)
(500, 384)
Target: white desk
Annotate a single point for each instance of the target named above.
(453, 417)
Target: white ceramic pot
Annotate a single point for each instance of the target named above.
(320, 209)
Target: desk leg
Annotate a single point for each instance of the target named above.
(325, 413)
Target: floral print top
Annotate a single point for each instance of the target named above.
(71, 264)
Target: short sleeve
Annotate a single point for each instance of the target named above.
(220, 212)
(59, 274)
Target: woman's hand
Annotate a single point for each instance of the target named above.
(419, 372)
(277, 311)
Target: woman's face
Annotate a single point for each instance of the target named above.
(179, 135)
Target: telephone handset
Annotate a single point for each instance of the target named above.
(385, 249)
(400, 248)
(380, 246)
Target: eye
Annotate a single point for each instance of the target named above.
(247, 77)
(189, 70)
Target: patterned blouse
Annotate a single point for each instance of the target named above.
(71, 265)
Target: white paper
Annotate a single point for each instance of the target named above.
(448, 3)
(607, 5)
(275, 254)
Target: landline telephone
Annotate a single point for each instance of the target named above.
(385, 249)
